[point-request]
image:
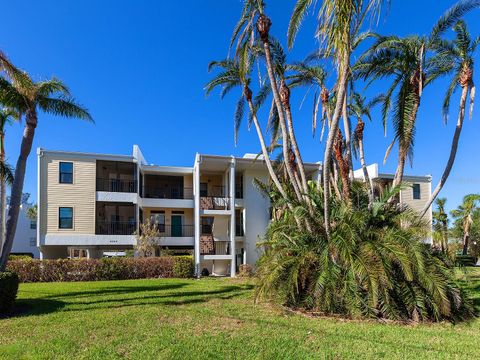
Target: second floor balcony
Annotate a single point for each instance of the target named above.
(115, 227)
(167, 192)
(116, 185)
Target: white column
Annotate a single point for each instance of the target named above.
(196, 220)
(232, 218)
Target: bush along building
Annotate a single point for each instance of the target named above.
(93, 203)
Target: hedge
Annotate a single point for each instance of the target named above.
(8, 291)
(465, 260)
(102, 269)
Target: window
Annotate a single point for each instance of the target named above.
(66, 173)
(416, 192)
(239, 223)
(207, 225)
(239, 187)
(33, 241)
(203, 189)
(65, 218)
(158, 218)
(33, 224)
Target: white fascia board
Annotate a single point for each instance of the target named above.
(184, 170)
(117, 197)
(88, 239)
(166, 203)
(96, 156)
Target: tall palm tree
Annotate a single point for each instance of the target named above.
(338, 22)
(254, 28)
(6, 176)
(457, 58)
(29, 97)
(230, 77)
(359, 109)
(440, 223)
(463, 215)
(403, 60)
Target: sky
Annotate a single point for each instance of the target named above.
(140, 67)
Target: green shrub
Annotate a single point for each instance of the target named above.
(8, 291)
(102, 269)
(19, 257)
(465, 260)
(372, 263)
(183, 266)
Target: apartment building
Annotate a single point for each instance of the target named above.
(90, 204)
(93, 203)
(25, 241)
(416, 193)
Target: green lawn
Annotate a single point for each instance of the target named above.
(208, 318)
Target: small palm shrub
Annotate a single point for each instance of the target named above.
(374, 264)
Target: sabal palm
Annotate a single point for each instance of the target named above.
(463, 215)
(6, 175)
(28, 97)
(457, 59)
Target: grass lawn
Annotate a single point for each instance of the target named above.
(208, 318)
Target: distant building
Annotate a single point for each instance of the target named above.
(25, 241)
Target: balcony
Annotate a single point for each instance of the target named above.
(176, 230)
(176, 192)
(116, 185)
(115, 228)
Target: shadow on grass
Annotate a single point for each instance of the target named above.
(124, 296)
(115, 290)
(29, 307)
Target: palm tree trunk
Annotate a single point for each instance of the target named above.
(278, 104)
(296, 151)
(342, 84)
(348, 137)
(266, 156)
(17, 186)
(466, 237)
(453, 151)
(365, 171)
(343, 166)
(3, 193)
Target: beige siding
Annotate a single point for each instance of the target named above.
(80, 195)
(407, 196)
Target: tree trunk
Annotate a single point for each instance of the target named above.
(453, 151)
(343, 165)
(348, 137)
(342, 84)
(365, 171)
(268, 163)
(466, 237)
(296, 151)
(3, 193)
(278, 104)
(17, 186)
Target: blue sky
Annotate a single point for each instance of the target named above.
(140, 67)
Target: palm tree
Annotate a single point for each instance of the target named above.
(463, 215)
(230, 77)
(6, 176)
(457, 58)
(359, 108)
(403, 60)
(338, 23)
(440, 223)
(29, 97)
